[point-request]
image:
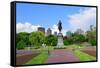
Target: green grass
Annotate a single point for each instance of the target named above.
(76, 46)
(50, 47)
(83, 56)
(39, 59)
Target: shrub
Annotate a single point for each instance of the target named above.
(68, 42)
(51, 40)
(93, 42)
(20, 45)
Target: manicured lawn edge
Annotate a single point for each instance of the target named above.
(83, 56)
(40, 59)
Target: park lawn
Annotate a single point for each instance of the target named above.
(40, 59)
(47, 48)
(51, 47)
(75, 46)
(83, 56)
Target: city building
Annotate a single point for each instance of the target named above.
(55, 33)
(42, 29)
(49, 31)
(68, 34)
(79, 31)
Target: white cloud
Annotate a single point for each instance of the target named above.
(83, 19)
(55, 29)
(26, 27)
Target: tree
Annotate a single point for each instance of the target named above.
(68, 41)
(37, 38)
(93, 42)
(51, 40)
(78, 38)
(91, 35)
(20, 45)
(23, 36)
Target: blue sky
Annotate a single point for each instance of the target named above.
(49, 15)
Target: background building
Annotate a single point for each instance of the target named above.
(55, 33)
(79, 31)
(42, 29)
(49, 31)
(68, 34)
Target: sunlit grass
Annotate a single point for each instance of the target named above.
(40, 59)
(83, 56)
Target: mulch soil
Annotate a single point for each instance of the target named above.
(90, 50)
(24, 56)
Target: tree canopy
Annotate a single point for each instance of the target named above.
(37, 38)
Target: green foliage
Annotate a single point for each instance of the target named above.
(37, 38)
(68, 41)
(20, 45)
(51, 40)
(93, 42)
(23, 36)
(75, 38)
(81, 38)
(91, 35)
(78, 38)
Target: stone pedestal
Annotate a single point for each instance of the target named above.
(60, 43)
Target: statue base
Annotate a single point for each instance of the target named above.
(60, 43)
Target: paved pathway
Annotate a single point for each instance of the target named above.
(58, 56)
